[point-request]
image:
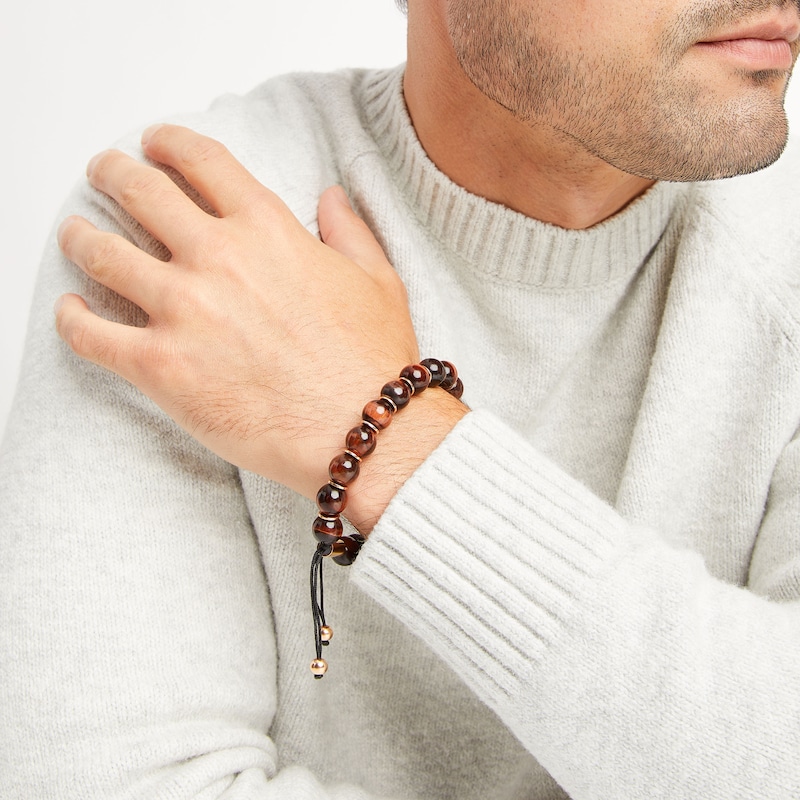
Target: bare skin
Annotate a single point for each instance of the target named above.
(535, 170)
(621, 94)
(625, 97)
(227, 298)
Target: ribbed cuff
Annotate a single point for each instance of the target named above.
(486, 553)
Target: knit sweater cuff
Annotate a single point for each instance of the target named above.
(487, 552)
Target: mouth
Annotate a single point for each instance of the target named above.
(764, 45)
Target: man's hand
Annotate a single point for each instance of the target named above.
(263, 342)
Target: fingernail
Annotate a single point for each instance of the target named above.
(148, 132)
(93, 162)
(65, 223)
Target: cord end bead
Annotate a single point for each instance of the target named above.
(326, 634)
(319, 666)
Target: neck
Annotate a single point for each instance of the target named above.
(528, 167)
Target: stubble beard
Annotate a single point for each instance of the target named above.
(657, 122)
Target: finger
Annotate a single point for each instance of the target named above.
(113, 261)
(150, 197)
(208, 166)
(343, 230)
(98, 340)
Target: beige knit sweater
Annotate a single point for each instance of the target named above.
(590, 589)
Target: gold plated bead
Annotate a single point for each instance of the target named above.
(326, 633)
(319, 666)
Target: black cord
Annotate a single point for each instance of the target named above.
(318, 601)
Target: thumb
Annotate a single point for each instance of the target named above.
(343, 230)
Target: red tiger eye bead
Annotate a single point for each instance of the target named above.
(378, 412)
(450, 376)
(457, 390)
(331, 500)
(327, 531)
(418, 376)
(344, 469)
(398, 392)
(361, 441)
(346, 549)
(437, 370)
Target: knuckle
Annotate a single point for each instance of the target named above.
(148, 363)
(103, 351)
(262, 207)
(200, 150)
(138, 186)
(102, 258)
(75, 335)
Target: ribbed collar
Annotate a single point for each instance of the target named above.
(496, 241)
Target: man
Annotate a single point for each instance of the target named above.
(586, 586)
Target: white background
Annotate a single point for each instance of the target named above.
(76, 76)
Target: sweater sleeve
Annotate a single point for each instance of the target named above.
(137, 653)
(615, 659)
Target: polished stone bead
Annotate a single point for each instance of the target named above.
(327, 531)
(437, 370)
(398, 392)
(346, 549)
(378, 412)
(418, 376)
(361, 441)
(450, 376)
(457, 390)
(331, 500)
(343, 469)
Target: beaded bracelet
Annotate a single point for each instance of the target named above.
(343, 470)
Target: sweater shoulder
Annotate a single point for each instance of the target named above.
(749, 227)
(759, 213)
(295, 133)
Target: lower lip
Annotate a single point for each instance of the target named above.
(755, 54)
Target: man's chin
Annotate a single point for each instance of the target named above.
(715, 151)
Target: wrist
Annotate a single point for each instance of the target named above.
(406, 440)
(403, 447)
